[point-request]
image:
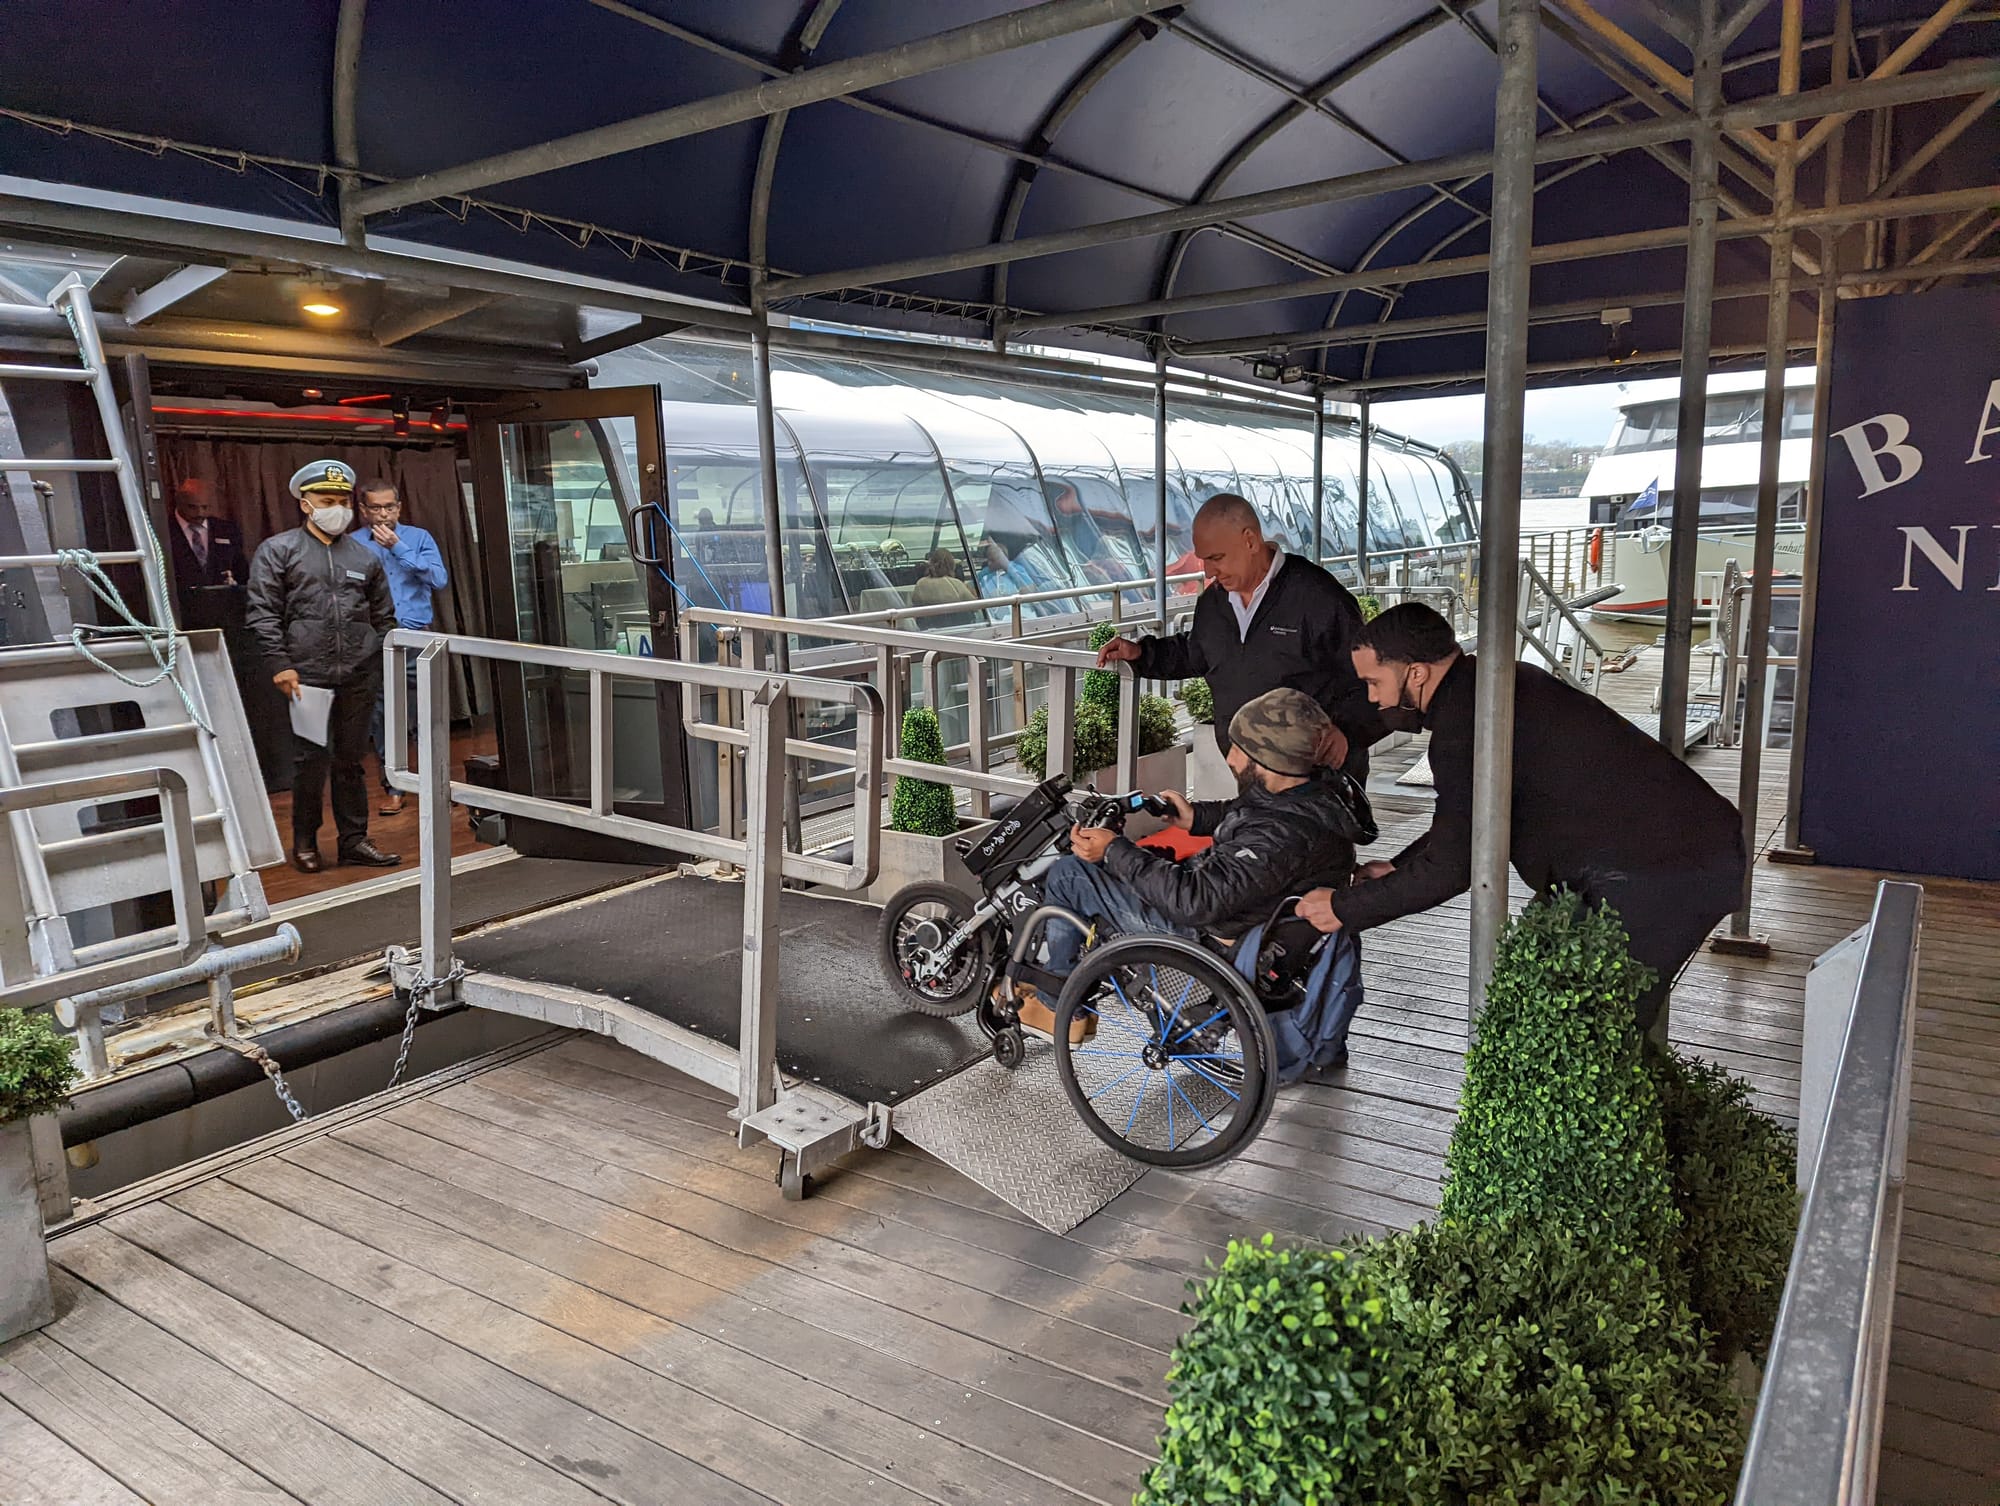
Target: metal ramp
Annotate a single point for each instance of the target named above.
(117, 751)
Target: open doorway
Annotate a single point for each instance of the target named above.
(227, 446)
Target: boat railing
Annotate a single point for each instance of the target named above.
(765, 700)
(1817, 1430)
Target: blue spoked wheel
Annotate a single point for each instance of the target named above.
(1178, 1069)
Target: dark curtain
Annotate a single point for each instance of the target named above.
(250, 478)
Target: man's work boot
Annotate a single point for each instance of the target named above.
(307, 859)
(1038, 1020)
(365, 854)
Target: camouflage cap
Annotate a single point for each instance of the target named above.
(1281, 729)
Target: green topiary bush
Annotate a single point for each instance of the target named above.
(1559, 1117)
(1735, 1185)
(1371, 607)
(1093, 741)
(1199, 700)
(922, 807)
(1158, 730)
(1546, 1366)
(1278, 1387)
(1100, 686)
(37, 1068)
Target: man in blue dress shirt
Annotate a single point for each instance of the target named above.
(415, 568)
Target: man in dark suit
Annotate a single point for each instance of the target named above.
(210, 566)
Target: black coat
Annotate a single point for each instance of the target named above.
(1266, 847)
(321, 609)
(1594, 798)
(1302, 637)
(210, 594)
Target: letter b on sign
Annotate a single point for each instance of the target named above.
(1868, 459)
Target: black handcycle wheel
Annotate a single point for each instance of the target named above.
(915, 923)
(1179, 1068)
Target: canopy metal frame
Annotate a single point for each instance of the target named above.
(1679, 106)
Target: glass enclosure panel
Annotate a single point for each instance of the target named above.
(715, 495)
(883, 492)
(576, 586)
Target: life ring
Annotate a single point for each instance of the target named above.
(1597, 551)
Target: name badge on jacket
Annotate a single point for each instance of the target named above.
(360, 575)
(1278, 631)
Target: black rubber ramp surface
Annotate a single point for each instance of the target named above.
(674, 949)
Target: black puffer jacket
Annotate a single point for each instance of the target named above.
(1266, 847)
(321, 609)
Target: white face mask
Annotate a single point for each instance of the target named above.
(332, 521)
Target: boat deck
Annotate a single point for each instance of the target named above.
(549, 1276)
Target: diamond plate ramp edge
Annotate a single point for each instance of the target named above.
(1015, 1134)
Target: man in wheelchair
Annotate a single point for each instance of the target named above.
(1292, 827)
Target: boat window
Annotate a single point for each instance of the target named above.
(715, 499)
(883, 492)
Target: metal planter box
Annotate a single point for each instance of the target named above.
(25, 1304)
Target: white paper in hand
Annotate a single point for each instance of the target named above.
(312, 707)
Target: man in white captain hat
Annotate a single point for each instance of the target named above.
(319, 608)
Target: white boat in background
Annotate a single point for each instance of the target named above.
(1630, 490)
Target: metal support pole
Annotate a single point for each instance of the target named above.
(1514, 115)
(1696, 310)
(1160, 483)
(1777, 326)
(1319, 477)
(774, 541)
(765, 716)
(433, 810)
(1361, 502)
(1829, 302)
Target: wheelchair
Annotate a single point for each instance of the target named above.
(1176, 1064)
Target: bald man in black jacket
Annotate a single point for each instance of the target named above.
(1266, 620)
(1599, 807)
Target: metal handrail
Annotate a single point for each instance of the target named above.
(183, 880)
(1819, 1416)
(761, 851)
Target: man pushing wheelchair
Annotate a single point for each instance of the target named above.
(1292, 827)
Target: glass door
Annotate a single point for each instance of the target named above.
(563, 483)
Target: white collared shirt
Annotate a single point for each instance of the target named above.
(1244, 612)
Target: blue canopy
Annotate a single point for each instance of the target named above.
(229, 107)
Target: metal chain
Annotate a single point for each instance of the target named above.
(421, 990)
(272, 1070)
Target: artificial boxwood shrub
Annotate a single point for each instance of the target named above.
(1276, 1389)
(1559, 1115)
(1735, 1184)
(922, 807)
(1199, 700)
(37, 1068)
(1615, 1228)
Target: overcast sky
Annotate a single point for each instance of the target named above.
(1577, 415)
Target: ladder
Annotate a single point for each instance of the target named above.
(121, 706)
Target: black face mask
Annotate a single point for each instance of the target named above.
(1404, 716)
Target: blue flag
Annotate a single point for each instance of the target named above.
(1647, 500)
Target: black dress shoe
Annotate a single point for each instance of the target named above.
(307, 860)
(365, 854)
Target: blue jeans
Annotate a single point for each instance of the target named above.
(1094, 894)
(378, 730)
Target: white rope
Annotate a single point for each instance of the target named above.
(84, 563)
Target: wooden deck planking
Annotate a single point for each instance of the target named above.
(38, 1469)
(563, 1265)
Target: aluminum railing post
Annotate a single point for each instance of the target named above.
(757, 1051)
(1319, 477)
(975, 730)
(1062, 705)
(1160, 483)
(1361, 505)
(1514, 118)
(434, 810)
(1777, 326)
(1696, 314)
(1128, 728)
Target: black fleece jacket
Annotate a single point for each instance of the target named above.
(1302, 637)
(1593, 795)
(1266, 847)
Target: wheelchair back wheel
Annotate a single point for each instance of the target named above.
(1179, 1067)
